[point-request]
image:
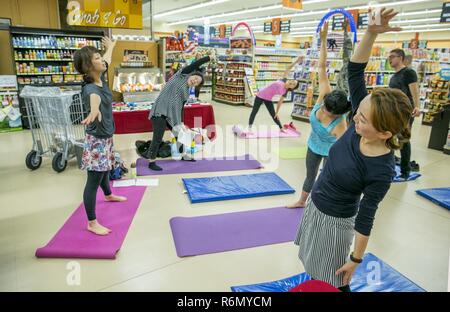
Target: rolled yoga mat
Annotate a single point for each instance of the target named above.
(266, 133)
(73, 240)
(230, 231)
(232, 163)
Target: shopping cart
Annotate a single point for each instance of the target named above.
(55, 121)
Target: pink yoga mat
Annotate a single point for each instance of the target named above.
(266, 133)
(73, 240)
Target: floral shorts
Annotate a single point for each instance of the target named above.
(98, 154)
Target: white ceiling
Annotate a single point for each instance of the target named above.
(237, 6)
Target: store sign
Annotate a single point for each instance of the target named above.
(338, 22)
(135, 56)
(423, 44)
(293, 4)
(105, 13)
(445, 14)
(276, 26)
(363, 20)
(285, 26)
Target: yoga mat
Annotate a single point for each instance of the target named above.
(246, 162)
(372, 275)
(234, 187)
(265, 133)
(412, 175)
(292, 152)
(73, 240)
(439, 196)
(231, 231)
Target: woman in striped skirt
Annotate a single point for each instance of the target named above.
(168, 108)
(361, 162)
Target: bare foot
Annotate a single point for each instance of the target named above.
(115, 198)
(97, 228)
(299, 204)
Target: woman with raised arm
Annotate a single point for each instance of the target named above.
(360, 163)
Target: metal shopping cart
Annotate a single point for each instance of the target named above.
(55, 121)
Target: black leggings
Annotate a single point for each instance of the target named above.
(405, 152)
(159, 127)
(94, 180)
(269, 104)
(312, 168)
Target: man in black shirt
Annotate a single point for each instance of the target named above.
(405, 79)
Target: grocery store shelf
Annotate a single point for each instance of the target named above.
(227, 102)
(46, 48)
(43, 60)
(46, 74)
(218, 91)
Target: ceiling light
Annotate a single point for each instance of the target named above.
(189, 8)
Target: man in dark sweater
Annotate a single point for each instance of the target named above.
(405, 79)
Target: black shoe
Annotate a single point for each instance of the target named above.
(415, 166)
(187, 158)
(404, 177)
(397, 160)
(154, 166)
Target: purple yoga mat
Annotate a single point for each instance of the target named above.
(231, 231)
(73, 240)
(266, 133)
(246, 162)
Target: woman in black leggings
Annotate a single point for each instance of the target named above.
(266, 94)
(168, 108)
(98, 153)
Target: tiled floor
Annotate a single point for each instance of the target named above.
(410, 233)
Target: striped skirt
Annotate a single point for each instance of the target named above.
(324, 244)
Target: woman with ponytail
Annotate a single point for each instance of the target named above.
(328, 122)
(357, 174)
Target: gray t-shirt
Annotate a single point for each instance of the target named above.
(105, 128)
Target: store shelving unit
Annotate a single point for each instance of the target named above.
(438, 96)
(229, 76)
(43, 57)
(305, 96)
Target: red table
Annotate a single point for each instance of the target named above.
(137, 121)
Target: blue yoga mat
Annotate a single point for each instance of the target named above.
(439, 196)
(373, 275)
(235, 187)
(412, 175)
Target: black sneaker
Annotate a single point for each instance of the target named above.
(153, 166)
(415, 166)
(187, 158)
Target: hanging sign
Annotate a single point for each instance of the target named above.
(285, 26)
(293, 4)
(338, 22)
(363, 20)
(276, 26)
(445, 14)
(105, 13)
